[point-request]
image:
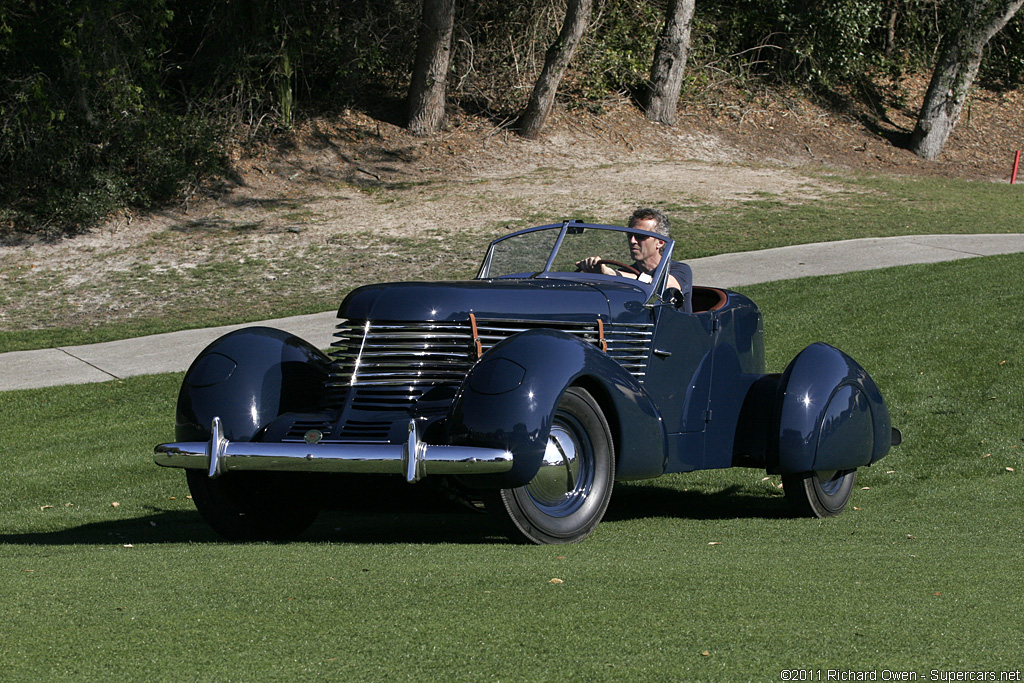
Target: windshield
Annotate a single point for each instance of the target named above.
(523, 254)
(554, 251)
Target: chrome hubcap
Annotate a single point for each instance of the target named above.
(829, 481)
(561, 484)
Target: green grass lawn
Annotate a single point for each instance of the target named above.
(107, 572)
(867, 206)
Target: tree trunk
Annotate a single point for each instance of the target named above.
(577, 16)
(427, 91)
(959, 59)
(670, 63)
(890, 32)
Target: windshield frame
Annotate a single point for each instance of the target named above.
(658, 278)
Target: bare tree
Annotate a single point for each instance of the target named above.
(577, 16)
(669, 64)
(960, 53)
(427, 91)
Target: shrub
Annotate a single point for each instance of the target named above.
(85, 127)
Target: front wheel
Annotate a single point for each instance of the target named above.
(567, 498)
(252, 506)
(819, 494)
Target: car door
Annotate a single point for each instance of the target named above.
(678, 379)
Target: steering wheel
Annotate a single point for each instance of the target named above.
(617, 264)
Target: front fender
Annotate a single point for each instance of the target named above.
(247, 378)
(508, 401)
(829, 415)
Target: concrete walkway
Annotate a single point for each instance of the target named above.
(174, 351)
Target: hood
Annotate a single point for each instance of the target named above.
(487, 299)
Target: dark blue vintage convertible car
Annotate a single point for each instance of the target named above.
(533, 387)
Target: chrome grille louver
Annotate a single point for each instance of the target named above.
(630, 346)
(391, 365)
(349, 430)
(394, 364)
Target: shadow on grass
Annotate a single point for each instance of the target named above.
(646, 501)
(426, 526)
(415, 519)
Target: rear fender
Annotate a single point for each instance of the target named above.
(829, 415)
(508, 401)
(248, 378)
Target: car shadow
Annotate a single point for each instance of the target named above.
(159, 526)
(331, 527)
(419, 519)
(645, 501)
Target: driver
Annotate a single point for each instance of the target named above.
(646, 254)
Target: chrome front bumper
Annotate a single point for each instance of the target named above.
(413, 459)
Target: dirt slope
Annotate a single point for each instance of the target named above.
(353, 200)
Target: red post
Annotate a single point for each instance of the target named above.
(1016, 163)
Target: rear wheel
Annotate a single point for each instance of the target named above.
(252, 506)
(567, 498)
(819, 494)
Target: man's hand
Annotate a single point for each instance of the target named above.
(592, 264)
